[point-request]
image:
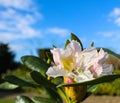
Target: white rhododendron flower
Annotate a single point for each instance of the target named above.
(77, 64)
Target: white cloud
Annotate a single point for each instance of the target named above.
(111, 36)
(16, 47)
(106, 33)
(6, 37)
(115, 12)
(18, 20)
(16, 24)
(58, 31)
(117, 21)
(17, 4)
(114, 16)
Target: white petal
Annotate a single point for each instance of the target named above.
(107, 69)
(81, 78)
(87, 57)
(71, 75)
(89, 49)
(102, 56)
(55, 71)
(98, 71)
(74, 46)
(86, 76)
(56, 55)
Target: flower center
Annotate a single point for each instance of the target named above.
(68, 63)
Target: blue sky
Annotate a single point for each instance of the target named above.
(31, 24)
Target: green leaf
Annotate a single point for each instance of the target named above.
(49, 57)
(43, 100)
(42, 53)
(18, 81)
(53, 94)
(67, 42)
(38, 78)
(57, 80)
(62, 93)
(105, 78)
(92, 44)
(74, 37)
(49, 86)
(36, 64)
(54, 46)
(23, 99)
(8, 86)
(92, 88)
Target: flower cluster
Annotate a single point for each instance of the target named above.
(80, 65)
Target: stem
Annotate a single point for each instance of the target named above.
(63, 95)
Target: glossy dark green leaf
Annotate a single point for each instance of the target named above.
(106, 78)
(53, 94)
(43, 100)
(23, 99)
(92, 88)
(38, 78)
(54, 46)
(62, 93)
(67, 42)
(49, 87)
(8, 86)
(35, 64)
(49, 57)
(18, 81)
(74, 37)
(42, 53)
(57, 80)
(92, 44)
